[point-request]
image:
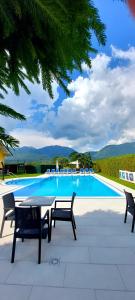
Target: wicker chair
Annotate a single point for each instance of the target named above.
(29, 225)
(130, 207)
(8, 206)
(63, 214)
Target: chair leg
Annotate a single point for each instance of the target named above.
(39, 251)
(125, 218)
(50, 231)
(13, 250)
(2, 227)
(74, 222)
(133, 223)
(73, 226)
(11, 224)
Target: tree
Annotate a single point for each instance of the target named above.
(73, 156)
(84, 159)
(63, 161)
(45, 39)
(8, 140)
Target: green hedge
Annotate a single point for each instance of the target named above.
(111, 166)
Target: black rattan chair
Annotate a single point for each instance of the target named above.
(8, 206)
(130, 207)
(29, 225)
(63, 214)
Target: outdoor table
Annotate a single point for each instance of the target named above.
(38, 201)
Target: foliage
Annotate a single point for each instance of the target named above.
(111, 166)
(84, 159)
(7, 140)
(63, 161)
(9, 112)
(73, 156)
(44, 39)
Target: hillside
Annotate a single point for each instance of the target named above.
(31, 154)
(115, 150)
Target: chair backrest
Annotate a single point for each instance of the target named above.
(27, 217)
(73, 198)
(129, 199)
(8, 201)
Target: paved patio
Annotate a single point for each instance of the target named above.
(100, 265)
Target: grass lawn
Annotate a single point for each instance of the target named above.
(126, 183)
(20, 175)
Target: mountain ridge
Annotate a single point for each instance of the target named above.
(31, 154)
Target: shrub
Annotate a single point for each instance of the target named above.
(111, 166)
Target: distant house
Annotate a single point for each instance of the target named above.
(3, 153)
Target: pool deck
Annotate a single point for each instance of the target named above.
(100, 265)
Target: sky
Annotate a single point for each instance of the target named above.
(100, 109)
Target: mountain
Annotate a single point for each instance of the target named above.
(114, 150)
(31, 154)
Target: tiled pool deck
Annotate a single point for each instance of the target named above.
(100, 265)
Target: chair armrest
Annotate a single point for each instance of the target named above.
(62, 208)
(8, 208)
(19, 201)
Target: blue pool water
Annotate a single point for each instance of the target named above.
(63, 186)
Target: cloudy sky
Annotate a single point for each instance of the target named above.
(101, 107)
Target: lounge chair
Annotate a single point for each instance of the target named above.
(74, 171)
(86, 170)
(69, 171)
(82, 170)
(48, 171)
(53, 171)
(130, 207)
(61, 171)
(29, 225)
(57, 171)
(63, 214)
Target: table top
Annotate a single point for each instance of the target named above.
(38, 201)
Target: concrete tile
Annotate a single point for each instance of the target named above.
(13, 292)
(5, 269)
(41, 293)
(121, 241)
(112, 256)
(82, 240)
(128, 276)
(93, 277)
(30, 273)
(24, 251)
(114, 295)
(67, 253)
(102, 230)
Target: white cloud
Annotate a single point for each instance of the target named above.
(102, 106)
(23, 104)
(119, 53)
(38, 139)
(101, 110)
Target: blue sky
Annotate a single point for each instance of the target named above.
(100, 109)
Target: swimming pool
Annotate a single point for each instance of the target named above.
(84, 186)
